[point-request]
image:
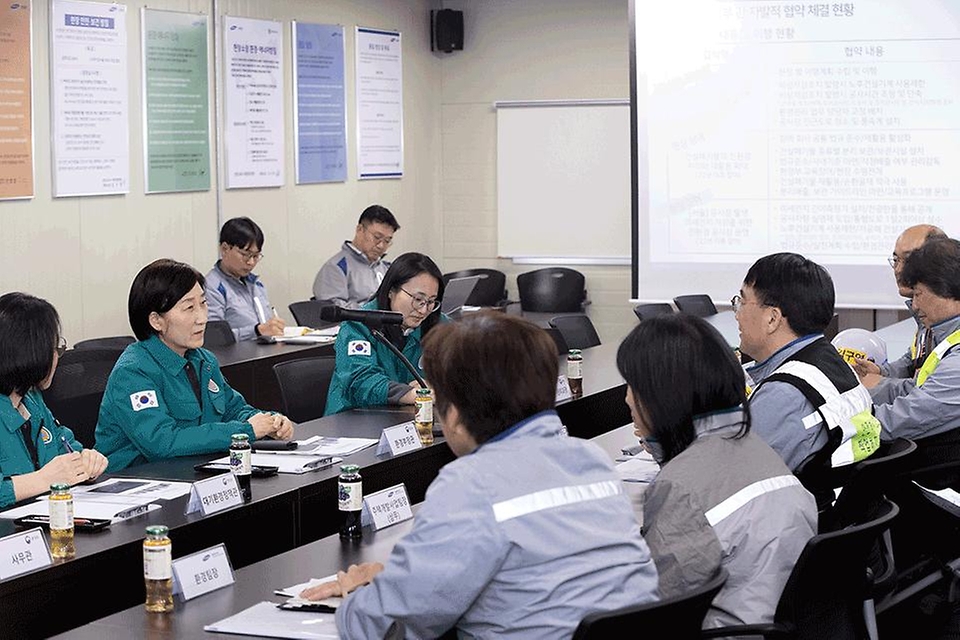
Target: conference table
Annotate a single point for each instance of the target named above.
(285, 513)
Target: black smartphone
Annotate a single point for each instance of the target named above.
(79, 524)
(274, 445)
(315, 607)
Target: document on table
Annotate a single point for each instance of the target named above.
(154, 489)
(286, 461)
(265, 619)
(91, 505)
(327, 446)
(295, 591)
(639, 468)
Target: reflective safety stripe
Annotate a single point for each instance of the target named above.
(933, 360)
(748, 493)
(550, 498)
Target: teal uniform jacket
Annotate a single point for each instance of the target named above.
(366, 369)
(150, 412)
(45, 432)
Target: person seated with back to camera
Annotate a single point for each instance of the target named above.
(367, 373)
(166, 396)
(234, 292)
(723, 497)
(521, 536)
(35, 450)
(806, 401)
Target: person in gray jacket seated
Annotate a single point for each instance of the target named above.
(723, 497)
(521, 536)
(352, 276)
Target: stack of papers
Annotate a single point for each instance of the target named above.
(135, 487)
(285, 461)
(320, 445)
(294, 591)
(91, 505)
(265, 619)
(639, 468)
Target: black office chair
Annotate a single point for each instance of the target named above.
(491, 289)
(112, 342)
(218, 334)
(696, 305)
(558, 340)
(552, 290)
(303, 386)
(826, 593)
(306, 313)
(678, 618)
(577, 331)
(832, 328)
(77, 390)
(652, 310)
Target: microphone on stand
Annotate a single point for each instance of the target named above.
(375, 320)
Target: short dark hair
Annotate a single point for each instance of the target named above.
(241, 232)
(800, 288)
(679, 367)
(935, 264)
(29, 332)
(378, 213)
(158, 287)
(473, 365)
(401, 271)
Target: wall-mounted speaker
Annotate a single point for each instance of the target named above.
(446, 30)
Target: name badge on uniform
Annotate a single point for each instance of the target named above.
(358, 348)
(144, 400)
(213, 386)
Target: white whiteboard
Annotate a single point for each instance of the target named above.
(563, 181)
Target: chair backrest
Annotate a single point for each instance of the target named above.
(832, 328)
(112, 342)
(552, 290)
(558, 340)
(303, 386)
(825, 593)
(652, 310)
(306, 313)
(679, 617)
(218, 334)
(577, 331)
(76, 392)
(696, 305)
(869, 481)
(491, 289)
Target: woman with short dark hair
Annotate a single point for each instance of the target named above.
(723, 497)
(166, 396)
(35, 450)
(367, 372)
(527, 531)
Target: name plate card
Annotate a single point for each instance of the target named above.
(215, 494)
(385, 508)
(202, 572)
(23, 552)
(399, 439)
(563, 389)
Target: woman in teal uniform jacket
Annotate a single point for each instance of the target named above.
(35, 451)
(166, 396)
(367, 372)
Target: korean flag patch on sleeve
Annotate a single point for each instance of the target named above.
(144, 400)
(358, 348)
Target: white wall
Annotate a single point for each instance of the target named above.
(525, 50)
(82, 253)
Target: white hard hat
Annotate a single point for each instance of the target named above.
(860, 343)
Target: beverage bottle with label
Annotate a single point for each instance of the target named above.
(575, 372)
(424, 419)
(61, 522)
(158, 569)
(241, 463)
(350, 499)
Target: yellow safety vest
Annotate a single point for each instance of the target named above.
(933, 360)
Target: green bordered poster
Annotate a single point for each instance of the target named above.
(176, 103)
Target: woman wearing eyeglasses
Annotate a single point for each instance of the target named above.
(367, 372)
(35, 451)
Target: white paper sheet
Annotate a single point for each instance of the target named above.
(265, 619)
(294, 591)
(321, 445)
(287, 461)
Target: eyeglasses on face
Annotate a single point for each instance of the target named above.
(378, 238)
(249, 256)
(896, 261)
(419, 303)
(737, 303)
(61, 346)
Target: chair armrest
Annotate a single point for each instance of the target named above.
(771, 630)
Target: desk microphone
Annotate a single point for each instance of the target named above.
(374, 319)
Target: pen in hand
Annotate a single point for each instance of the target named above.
(66, 444)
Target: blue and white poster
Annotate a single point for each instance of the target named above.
(320, 118)
(379, 104)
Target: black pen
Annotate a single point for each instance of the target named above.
(66, 444)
